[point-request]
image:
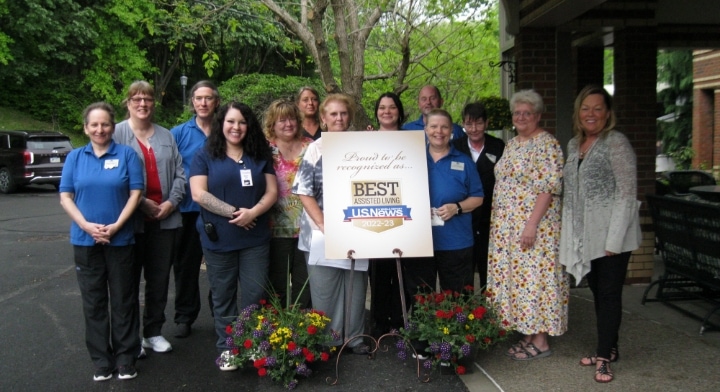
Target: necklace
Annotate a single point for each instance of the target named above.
(587, 150)
(238, 159)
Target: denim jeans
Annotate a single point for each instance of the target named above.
(247, 266)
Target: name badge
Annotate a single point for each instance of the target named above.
(112, 163)
(246, 177)
(457, 165)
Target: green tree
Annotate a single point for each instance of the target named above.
(336, 33)
(675, 69)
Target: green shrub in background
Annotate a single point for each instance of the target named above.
(498, 111)
(259, 90)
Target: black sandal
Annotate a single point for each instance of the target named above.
(603, 370)
(592, 359)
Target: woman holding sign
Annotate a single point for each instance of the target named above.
(328, 284)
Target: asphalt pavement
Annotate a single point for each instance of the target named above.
(42, 344)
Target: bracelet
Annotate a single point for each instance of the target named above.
(459, 208)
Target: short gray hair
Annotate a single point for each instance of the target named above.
(529, 97)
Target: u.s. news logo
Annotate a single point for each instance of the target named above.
(376, 205)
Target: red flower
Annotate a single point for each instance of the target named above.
(258, 363)
(324, 357)
(502, 332)
(292, 346)
(479, 312)
(456, 294)
(263, 302)
(247, 344)
(420, 299)
(460, 370)
(262, 372)
(487, 340)
(309, 357)
(228, 329)
(458, 309)
(305, 351)
(469, 288)
(470, 338)
(312, 330)
(439, 297)
(235, 351)
(505, 323)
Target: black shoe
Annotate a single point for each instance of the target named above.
(183, 330)
(102, 374)
(126, 372)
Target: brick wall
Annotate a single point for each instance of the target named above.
(635, 70)
(706, 109)
(535, 50)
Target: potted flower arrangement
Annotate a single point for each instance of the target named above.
(452, 325)
(280, 342)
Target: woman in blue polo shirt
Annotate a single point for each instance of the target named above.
(455, 190)
(100, 188)
(233, 181)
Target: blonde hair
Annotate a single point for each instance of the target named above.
(589, 90)
(281, 108)
(342, 98)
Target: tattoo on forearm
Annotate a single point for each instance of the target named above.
(216, 206)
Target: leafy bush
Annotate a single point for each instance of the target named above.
(498, 111)
(259, 90)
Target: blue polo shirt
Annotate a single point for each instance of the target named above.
(419, 124)
(224, 182)
(189, 139)
(453, 179)
(102, 188)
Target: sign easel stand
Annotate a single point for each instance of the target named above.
(375, 343)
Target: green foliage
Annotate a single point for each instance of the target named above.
(498, 111)
(259, 90)
(675, 69)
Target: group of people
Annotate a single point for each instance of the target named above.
(247, 196)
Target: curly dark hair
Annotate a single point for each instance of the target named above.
(254, 143)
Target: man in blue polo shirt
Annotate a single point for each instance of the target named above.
(428, 100)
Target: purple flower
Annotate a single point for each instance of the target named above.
(461, 318)
(445, 351)
(400, 345)
(296, 352)
(292, 384)
(434, 347)
(229, 342)
(264, 345)
(303, 370)
(427, 364)
(334, 335)
(258, 333)
(465, 349)
(402, 355)
(270, 361)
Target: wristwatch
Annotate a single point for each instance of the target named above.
(459, 210)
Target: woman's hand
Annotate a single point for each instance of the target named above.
(164, 210)
(244, 218)
(447, 211)
(528, 236)
(608, 253)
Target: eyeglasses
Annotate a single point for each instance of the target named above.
(474, 125)
(138, 100)
(522, 114)
(207, 99)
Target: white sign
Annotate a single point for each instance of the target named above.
(375, 194)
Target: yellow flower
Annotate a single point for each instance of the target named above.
(446, 330)
(471, 316)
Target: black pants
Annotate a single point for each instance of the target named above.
(154, 254)
(186, 267)
(453, 267)
(606, 280)
(104, 275)
(480, 251)
(385, 295)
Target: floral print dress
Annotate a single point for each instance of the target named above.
(528, 286)
(285, 217)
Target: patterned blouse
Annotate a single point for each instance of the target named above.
(285, 214)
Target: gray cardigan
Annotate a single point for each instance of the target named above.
(169, 165)
(600, 207)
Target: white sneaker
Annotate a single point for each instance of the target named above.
(142, 354)
(224, 362)
(157, 343)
